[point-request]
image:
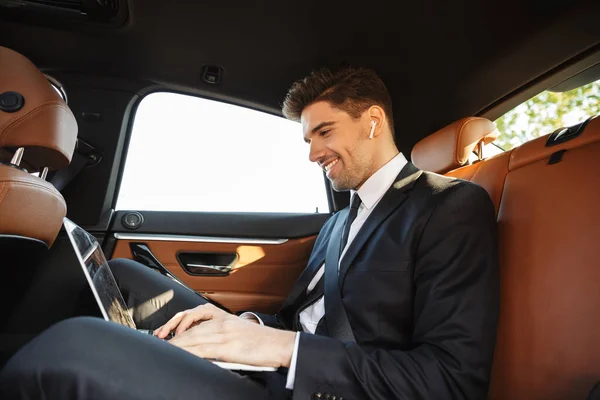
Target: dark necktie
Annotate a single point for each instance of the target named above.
(318, 291)
(354, 204)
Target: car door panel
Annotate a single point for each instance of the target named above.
(263, 268)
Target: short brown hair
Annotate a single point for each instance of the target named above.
(352, 90)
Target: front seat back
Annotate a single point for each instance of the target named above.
(38, 133)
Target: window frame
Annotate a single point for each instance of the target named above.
(528, 90)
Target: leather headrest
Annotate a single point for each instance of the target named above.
(29, 206)
(33, 115)
(449, 148)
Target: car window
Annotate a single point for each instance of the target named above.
(192, 154)
(547, 112)
(489, 150)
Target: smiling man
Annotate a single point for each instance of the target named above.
(399, 299)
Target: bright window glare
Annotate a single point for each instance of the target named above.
(193, 154)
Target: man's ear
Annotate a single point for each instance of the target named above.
(377, 115)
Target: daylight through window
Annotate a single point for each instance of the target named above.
(192, 154)
(547, 112)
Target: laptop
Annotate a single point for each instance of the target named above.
(106, 292)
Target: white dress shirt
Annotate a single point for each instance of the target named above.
(370, 194)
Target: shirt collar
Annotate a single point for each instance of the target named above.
(375, 187)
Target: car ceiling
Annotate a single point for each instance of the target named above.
(441, 60)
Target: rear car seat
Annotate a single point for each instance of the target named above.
(547, 195)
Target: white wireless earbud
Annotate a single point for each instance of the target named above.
(373, 124)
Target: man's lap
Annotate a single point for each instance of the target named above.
(89, 358)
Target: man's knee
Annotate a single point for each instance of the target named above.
(79, 329)
(121, 266)
(77, 354)
(75, 345)
(98, 359)
(53, 344)
(129, 273)
(51, 353)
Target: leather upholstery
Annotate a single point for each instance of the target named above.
(548, 228)
(47, 129)
(449, 148)
(45, 126)
(260, 280)
(490, 174)
(29, 206)
(536, 149)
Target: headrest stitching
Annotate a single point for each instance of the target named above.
(22, 118)
(3, 192)
(32, 184)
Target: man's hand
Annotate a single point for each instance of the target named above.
(209, 332)
(184, 320)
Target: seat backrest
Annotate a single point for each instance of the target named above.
(489, 174)
(546, 198)
(38, 133)
(549, 233)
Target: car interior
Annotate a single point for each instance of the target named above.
(93, 94)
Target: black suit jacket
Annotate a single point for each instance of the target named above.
(420, 286)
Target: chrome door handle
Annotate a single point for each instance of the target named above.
(206, 269)
(142, 253)
(198, 263)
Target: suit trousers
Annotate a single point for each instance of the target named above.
(89, 358)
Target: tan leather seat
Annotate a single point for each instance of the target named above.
(548, 226)
(450, 147)
(36, 120)
(489, 174)
(549, 231)
(453, 145)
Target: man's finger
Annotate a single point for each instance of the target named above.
(186, 322)
(199, 314)
(164, 330)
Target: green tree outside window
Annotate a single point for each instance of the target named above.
(547, 112)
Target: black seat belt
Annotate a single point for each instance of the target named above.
(83, 156)
(595, 393)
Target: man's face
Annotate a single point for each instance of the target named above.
(339, 144)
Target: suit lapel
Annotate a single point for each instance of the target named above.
(391, 200)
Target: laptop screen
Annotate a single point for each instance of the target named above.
(98, 274)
